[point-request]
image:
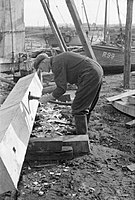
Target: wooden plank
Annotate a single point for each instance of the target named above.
(45, 144)
(72, 146)
(78, 24)
(124, 107)
(79, 143)
(17, 116)
(130, 124)
(122, 95)
(66, 153)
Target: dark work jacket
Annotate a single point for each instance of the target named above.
(69, 67)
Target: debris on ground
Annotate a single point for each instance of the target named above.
(107, 173)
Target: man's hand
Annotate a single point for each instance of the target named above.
(45, 98)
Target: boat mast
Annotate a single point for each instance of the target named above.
(86, 15)
(120, 24)
(105, 22)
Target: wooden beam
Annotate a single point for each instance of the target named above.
(17, 115)
(66, 153)
(54, 26)
(78, 24)
(45, 144)
(79, 143)
(127, 60)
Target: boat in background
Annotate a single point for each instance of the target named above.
(111, 58)
(110, 53)
(107, 44)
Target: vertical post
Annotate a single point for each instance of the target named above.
(78, 24)
(127, 55)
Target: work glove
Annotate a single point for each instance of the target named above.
(45, 98)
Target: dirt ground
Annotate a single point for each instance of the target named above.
(104, 174)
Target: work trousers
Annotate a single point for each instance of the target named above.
(88, 91)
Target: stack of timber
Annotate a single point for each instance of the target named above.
(59, 148)
(125, 103)
(17, 115)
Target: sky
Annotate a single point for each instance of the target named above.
(34, 14)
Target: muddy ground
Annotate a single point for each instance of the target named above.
(104, 174)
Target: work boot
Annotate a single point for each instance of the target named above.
(81, 124)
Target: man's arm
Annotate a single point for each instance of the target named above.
(61, 82)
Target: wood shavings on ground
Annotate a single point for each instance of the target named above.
(50, 121)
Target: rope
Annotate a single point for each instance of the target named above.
(97, 11)
(92, 36)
